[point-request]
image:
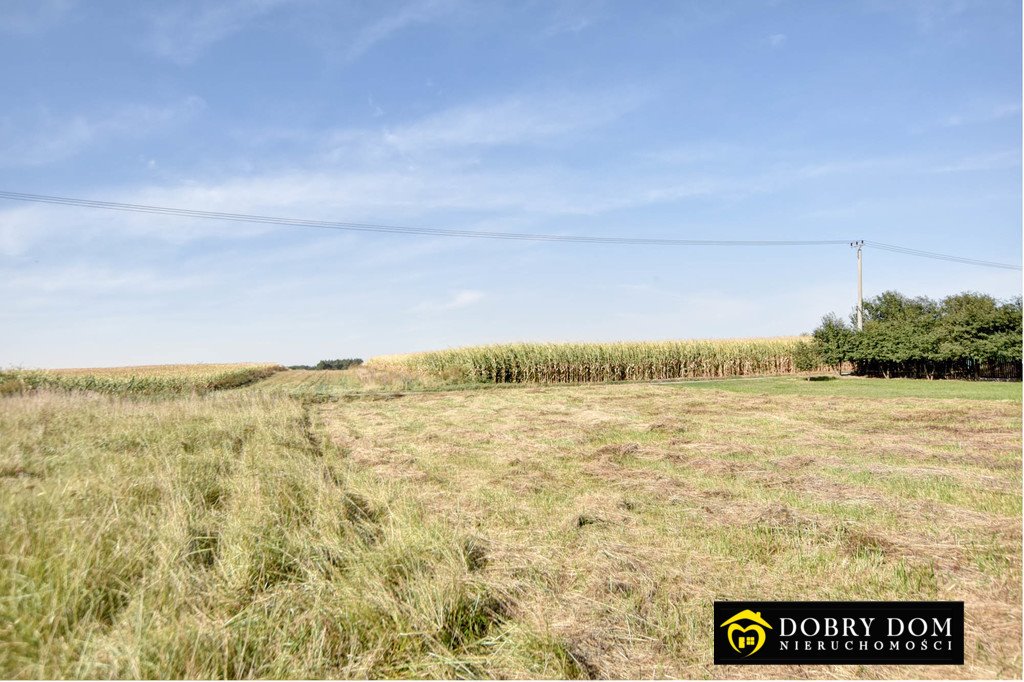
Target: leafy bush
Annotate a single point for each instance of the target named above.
(806, 357)
(968, 335)
(339, 364)
(331, 364)
(833, 340)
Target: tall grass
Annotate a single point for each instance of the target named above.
(624, 361)
(222, 537)
(141, 380)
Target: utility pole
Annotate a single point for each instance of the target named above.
(859, 245)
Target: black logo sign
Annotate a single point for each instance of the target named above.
(843, 633)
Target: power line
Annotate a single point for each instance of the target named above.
(395, 229)
(400, 229)
(940, 256)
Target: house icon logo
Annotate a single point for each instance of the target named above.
(746, 640)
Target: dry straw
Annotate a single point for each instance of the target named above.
(623, 361)
(141, 380)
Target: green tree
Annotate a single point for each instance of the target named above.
(834, 340)
(966, 335)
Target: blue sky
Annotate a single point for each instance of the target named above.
(897, 122)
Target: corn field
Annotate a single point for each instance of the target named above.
(624, 361)
(142, 380)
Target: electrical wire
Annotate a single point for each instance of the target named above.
(939, 256)
(428, 231)
(398, 229)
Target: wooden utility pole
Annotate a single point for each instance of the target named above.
(859, 245)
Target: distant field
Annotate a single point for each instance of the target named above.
(856, 387)
(507, 531)
(325, 383)
(599, 362)
(372, 379)
(143, 379)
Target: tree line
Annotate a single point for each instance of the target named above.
(331, 364)
(966, 336)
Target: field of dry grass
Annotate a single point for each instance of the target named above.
(614, 516)
(139, 379)
(311, 384)
(541, 531)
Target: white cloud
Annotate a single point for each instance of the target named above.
(454, 134)
(83, 279)
(21, 226)
(425, 173)
(510, 121)
(932, 15)
(461, 299)
(41, 137)
(517, 120)
(976, 114)
(777, 39)
(575, 16)
(181, 32)
(33, 16)
(981, 162)
(413, 13)
(374, 107)
(568, 24)
(449, 195)
(983, 115)
(445, 196)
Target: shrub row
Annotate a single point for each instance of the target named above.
(331, 364)
(966, 336)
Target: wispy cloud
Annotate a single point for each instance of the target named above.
(463, 198)
(926, 16)
(446, 196)
(448, 135)
(426, 172)
(777, 39)
(41, 137)
(418, 12)
(509, 121)
(87, 279)
(374, 107)
(984, 115)
(460, 299)
(982, 162)
(931, 15)
(33, 16)
(182, 31)
(573, 17)
(514, 120)
(972, 114)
